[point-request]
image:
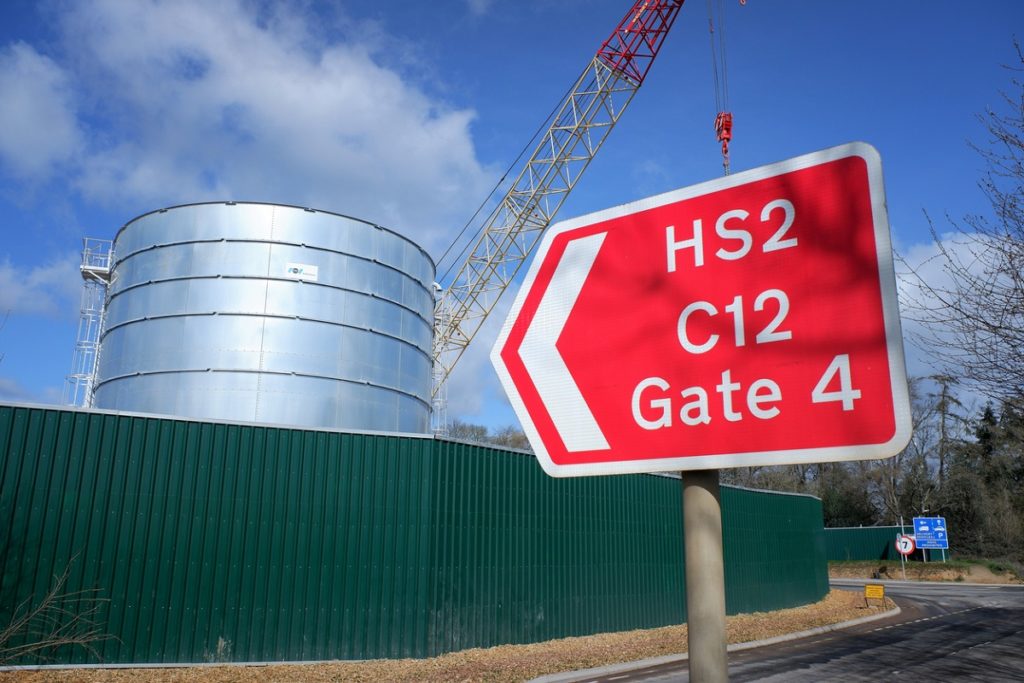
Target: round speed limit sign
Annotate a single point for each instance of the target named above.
(905, 544)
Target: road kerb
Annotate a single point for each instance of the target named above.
(612, 669)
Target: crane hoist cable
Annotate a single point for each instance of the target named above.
(723, 117)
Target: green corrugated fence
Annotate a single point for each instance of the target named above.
(226, 542)
(774, 550)
(864, 542)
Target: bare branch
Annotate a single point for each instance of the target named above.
(969, 297)
(59, 619)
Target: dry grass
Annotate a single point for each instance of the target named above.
(503, 663)
(921, 571)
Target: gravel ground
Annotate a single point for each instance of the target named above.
(499, 664)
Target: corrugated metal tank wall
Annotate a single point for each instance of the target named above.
(250, 543)
(271, 314)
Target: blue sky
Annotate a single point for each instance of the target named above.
(404, 113)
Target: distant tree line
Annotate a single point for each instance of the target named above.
(503, 437)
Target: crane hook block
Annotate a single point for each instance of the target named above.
(723, 127)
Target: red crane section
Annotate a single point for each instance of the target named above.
(634, 44)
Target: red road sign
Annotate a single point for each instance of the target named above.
(905, 545)
(750, 320)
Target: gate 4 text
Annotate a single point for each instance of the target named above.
(653, 406)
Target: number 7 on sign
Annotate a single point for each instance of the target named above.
(905, 544)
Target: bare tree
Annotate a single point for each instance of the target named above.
(973, 313)
(951, 423)
(467, 431)
(59, 619)
(911, 481)
(505, 437)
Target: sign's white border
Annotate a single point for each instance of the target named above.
(890, 308)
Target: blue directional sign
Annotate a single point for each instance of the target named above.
(930, 533)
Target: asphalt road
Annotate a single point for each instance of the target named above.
(946, 632)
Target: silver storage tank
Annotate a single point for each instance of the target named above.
(271, 314)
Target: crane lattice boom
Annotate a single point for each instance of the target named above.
(579, 128)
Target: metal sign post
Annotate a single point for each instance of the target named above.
(904, 546)
(705, 577)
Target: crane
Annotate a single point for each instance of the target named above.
(509, 234)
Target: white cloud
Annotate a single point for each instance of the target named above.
(916, 265)
(38, 129)
(12, 391)
(52, 289)
(921, 271)
(210, 100)
(479, 7)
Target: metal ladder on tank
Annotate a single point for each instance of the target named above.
(97, 259)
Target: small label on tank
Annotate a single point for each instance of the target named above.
(301, 271)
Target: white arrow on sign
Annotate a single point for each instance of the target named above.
(555, 384)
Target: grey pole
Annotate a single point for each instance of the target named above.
(903, 558)
(705, 577)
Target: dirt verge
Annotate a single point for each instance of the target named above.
(921, 571)
(505, 663)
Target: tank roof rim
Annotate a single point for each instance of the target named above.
(228, 202)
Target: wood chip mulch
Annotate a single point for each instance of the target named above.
(497, 664)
